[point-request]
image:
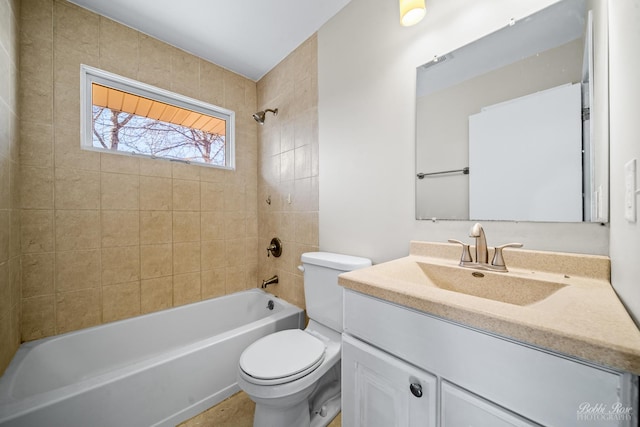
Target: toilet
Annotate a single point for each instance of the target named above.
(293, 376)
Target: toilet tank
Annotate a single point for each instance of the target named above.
(322, 293)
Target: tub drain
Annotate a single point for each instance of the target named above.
(270, 305)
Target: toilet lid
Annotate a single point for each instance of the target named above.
(283, 354)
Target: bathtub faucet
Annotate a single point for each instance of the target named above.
(271, 281)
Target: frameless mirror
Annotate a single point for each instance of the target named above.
(514, 126)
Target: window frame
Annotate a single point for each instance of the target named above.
(90, 75)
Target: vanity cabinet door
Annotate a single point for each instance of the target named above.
(379, 390)
(463, 409)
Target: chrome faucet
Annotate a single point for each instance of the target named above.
(482, 252)
(271, 281)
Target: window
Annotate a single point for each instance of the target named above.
(121, 115)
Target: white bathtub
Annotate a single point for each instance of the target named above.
(154, 370)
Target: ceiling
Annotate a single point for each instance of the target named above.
(249, 37)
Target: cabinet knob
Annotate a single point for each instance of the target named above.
(416, 389)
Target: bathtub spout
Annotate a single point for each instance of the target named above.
(272, 281)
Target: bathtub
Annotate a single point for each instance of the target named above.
(154, 370)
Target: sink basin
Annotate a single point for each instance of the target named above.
(503, 287)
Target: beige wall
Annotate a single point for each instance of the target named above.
(9, 174)
(288, 168)
(107, 237)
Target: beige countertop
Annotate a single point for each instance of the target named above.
(583, 318)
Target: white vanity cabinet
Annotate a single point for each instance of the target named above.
(467, 377)
(380, 390)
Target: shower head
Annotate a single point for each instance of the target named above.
(260, 115)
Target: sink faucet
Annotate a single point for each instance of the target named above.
(482, 252)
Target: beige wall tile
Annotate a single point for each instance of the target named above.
(212, 225)
(156, 294)
(156, 193)
(156, 260)
(213, 254)
(77, 229)
(119, 163)
(75, 28)
(186, 195)
(235, 225)
(155, 167)
(120, 301)
(185, 171)
(186, 257)
(109, 238)
(36, 230)
(186, 288)
(36, 144)
(5, 235)
(120, 228)
(236, 252)
(211, 83)
(77, 270)
(186, 226)
(77, 189)
(36, 188)
(38, 317)
(234, 197)
(120, 191)
(67, 151)
(5, 290)
(236, 279)
(213, 283)
(154, 67)
(37, 274)
(156, 227)
(212, 196)
(118, 48)
(78, 309)
(36, 19)
(120, 265)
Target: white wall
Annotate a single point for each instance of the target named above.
(366, 79)
(624, 63)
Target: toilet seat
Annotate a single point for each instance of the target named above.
(282, 357)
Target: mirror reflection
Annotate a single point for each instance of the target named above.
(514, 126)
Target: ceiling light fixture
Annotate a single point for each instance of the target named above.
(411, 12)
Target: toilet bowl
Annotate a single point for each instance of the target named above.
(293, 376)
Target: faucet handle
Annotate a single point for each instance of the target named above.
(498, 259)
(466, 252)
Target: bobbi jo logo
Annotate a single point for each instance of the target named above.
(603, 412)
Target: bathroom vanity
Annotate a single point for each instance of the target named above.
(547, 343)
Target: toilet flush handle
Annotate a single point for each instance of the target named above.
(301, 268)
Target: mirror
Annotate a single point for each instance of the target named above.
(514, 126)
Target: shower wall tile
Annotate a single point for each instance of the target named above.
(38, 317)
(156, 260)
(120, 265)
(11, 99)
(36, 231)
(156, 294)
(77, 310)
(37, 274)
(155, 227)
(288, 168)
(120, 301)
(186, 288)
(75, 270)
(99, 236)
(120, 228)
(155, 193)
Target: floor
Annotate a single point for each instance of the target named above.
(236, 411)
